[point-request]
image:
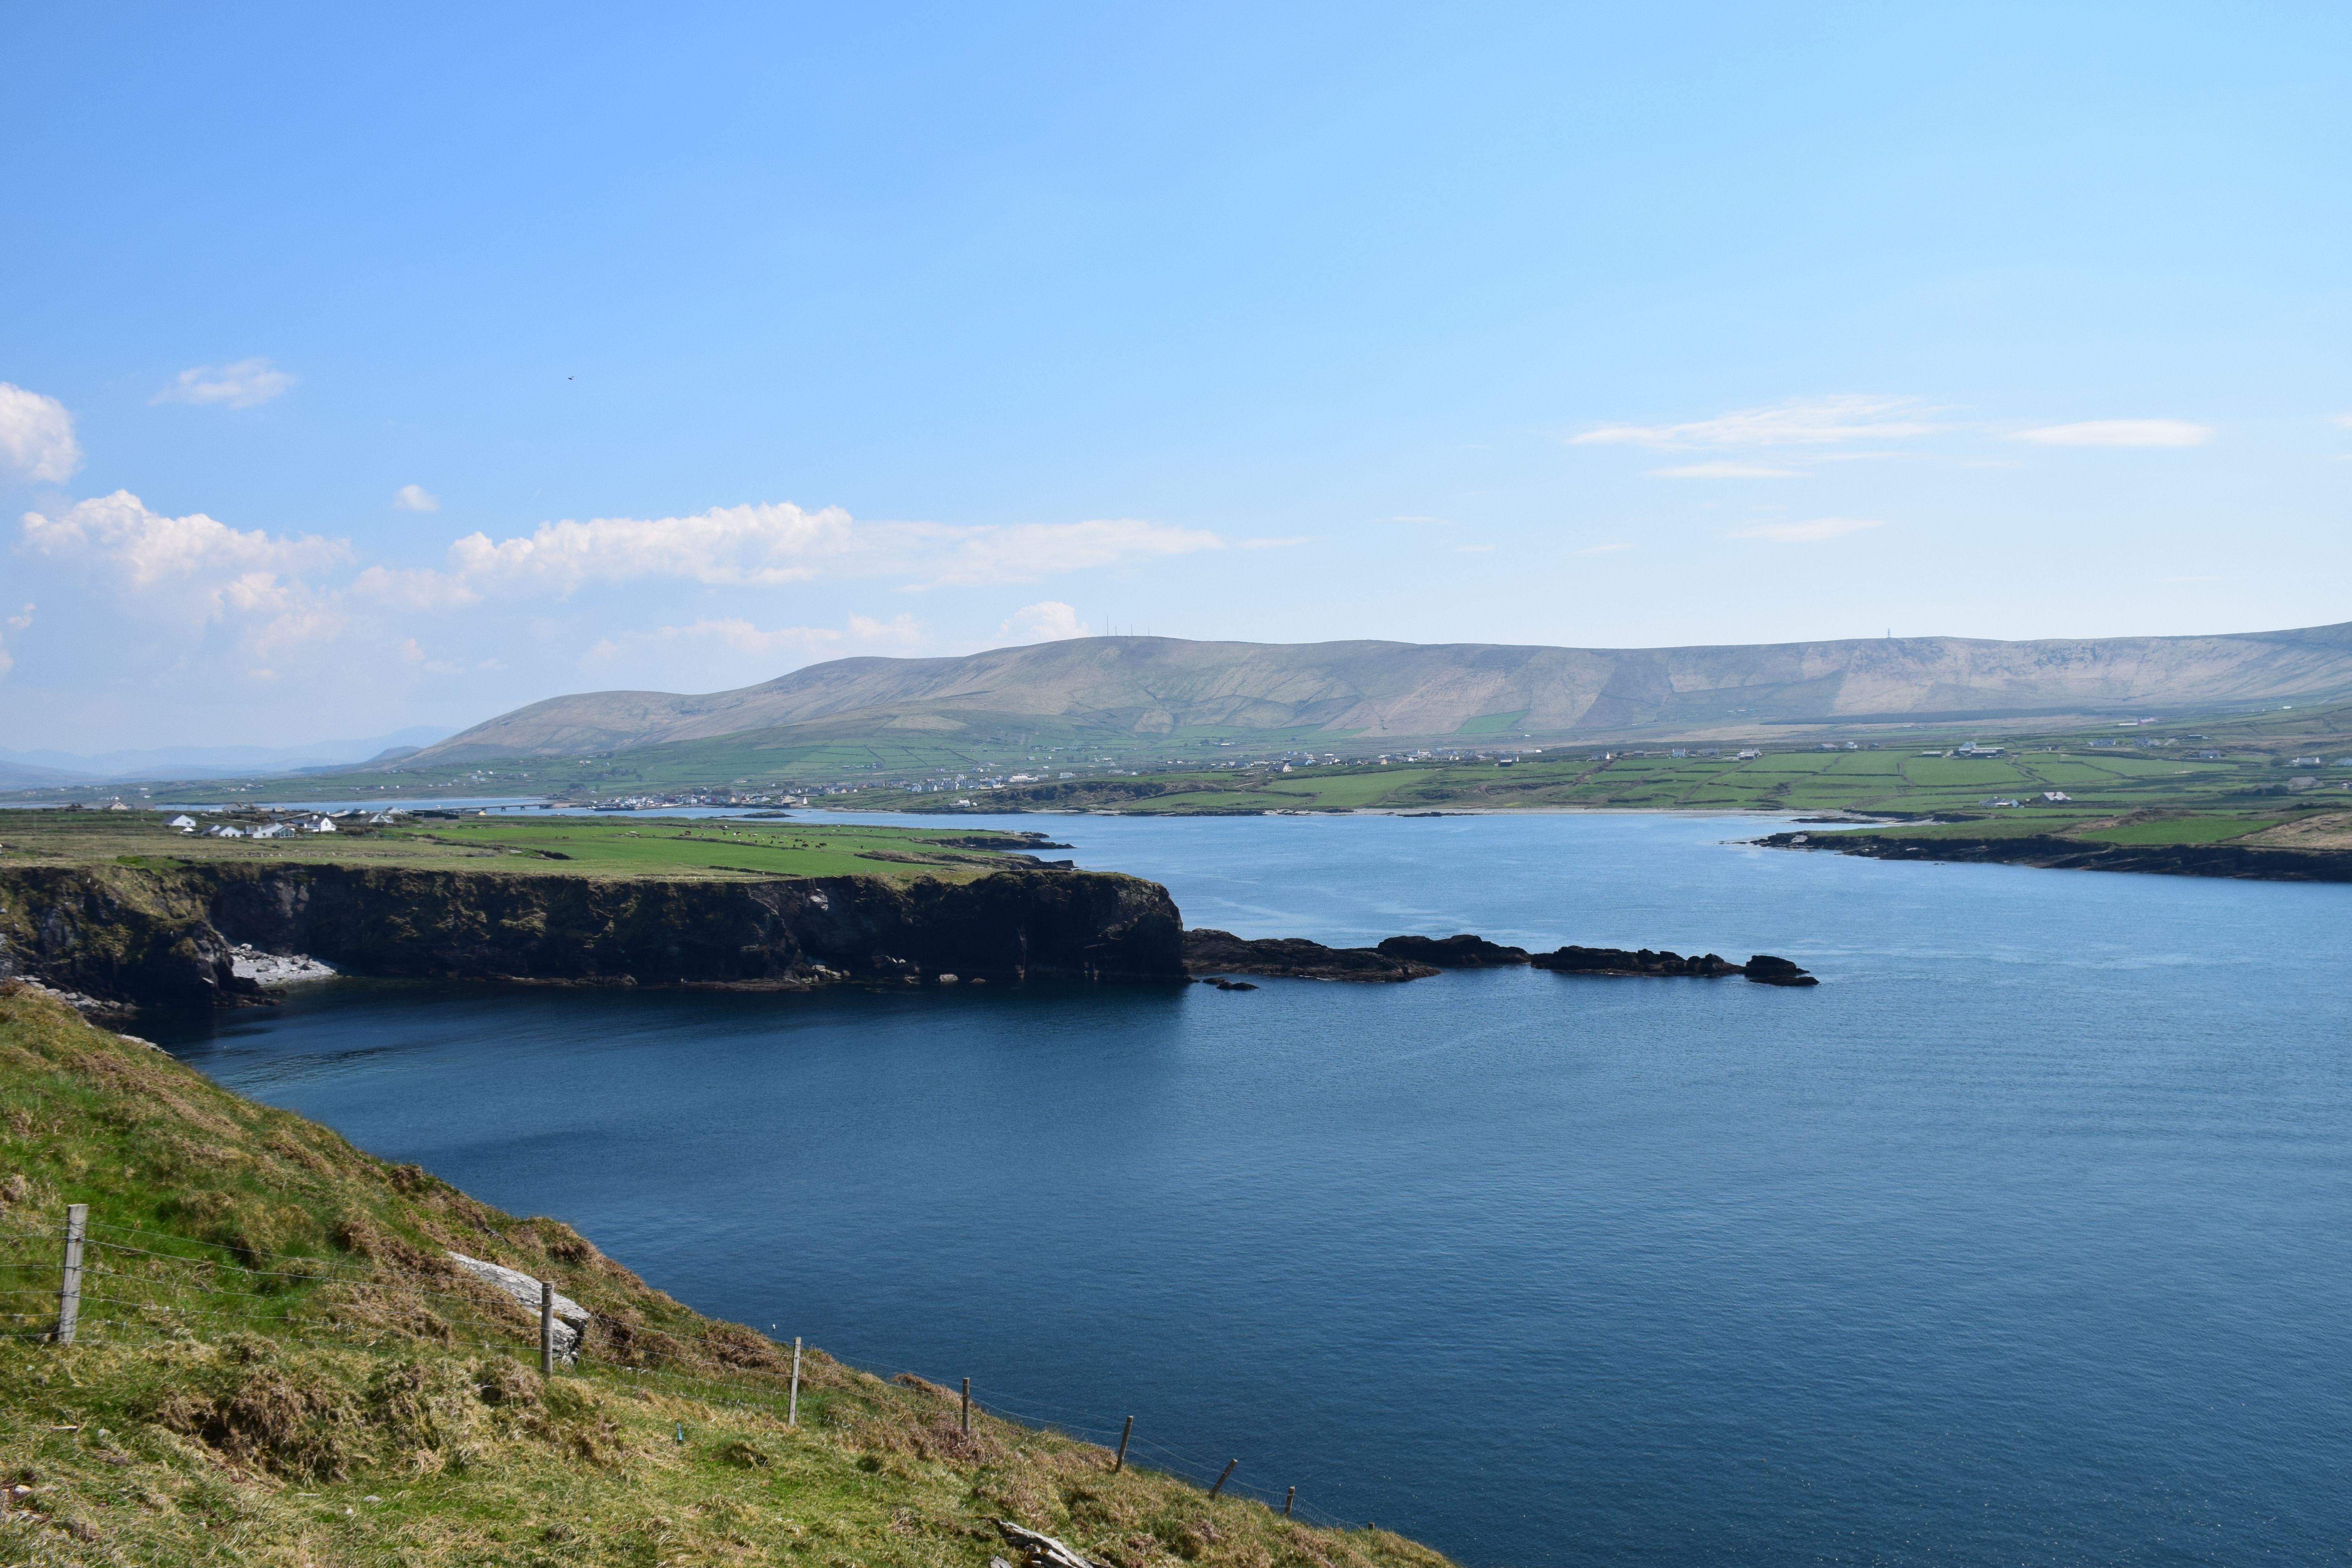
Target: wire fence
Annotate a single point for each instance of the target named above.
(189, 1288)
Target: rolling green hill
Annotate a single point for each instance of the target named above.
(1166, 697)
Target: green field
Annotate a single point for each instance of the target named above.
(604, 846)
(2110, 793)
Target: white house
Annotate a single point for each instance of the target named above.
(321, 825)
(184, 822)
(2055, 795)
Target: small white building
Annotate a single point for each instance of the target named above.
(2057, 797)
(184, 822)
(319, 825)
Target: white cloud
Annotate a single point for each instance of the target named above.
(147, 547)
(6, 663)
(743, 638)
(415, 497)
(238, 386)
(1047, 621)
(1282, 543)
(769, 545)
(1728, 471)
(22, 618)
(1798, 422)
(1812, 532)
(192, 572)
(37, 436)
(1604, 549)
(2119, 433)
(2345, 421)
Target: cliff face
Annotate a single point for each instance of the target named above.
(161, 936)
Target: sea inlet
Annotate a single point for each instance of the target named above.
(2022, 1238)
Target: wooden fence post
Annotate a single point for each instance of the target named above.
(793, 1410)
(1129, 1431)
(69, 1280)
(1223, 1478)
(546, 1328)
(967, 1407)
(1288, 1500)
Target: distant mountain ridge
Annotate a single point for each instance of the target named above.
(41, 767)
(1389, 692)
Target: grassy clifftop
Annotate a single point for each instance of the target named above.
(604, 848)
(276, 1364)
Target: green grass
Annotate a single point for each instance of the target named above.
(605, 846)
(277, 1366)
(1494, 723)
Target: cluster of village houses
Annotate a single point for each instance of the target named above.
(283, 827)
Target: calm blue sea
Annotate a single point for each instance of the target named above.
(2020, 1239)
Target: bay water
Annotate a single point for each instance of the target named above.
(2022, 1238)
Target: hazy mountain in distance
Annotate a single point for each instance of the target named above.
(208, 762)
(1385, 694)
(17, 775)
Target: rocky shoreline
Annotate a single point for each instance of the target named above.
(225, 933)
(1402, 958)
(2050, 852)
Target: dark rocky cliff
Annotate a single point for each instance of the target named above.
(163, 936)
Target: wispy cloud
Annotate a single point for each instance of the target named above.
(769, 545)
(1609, 549)
(415, 497)
(1729, 471)
(2119, 433)
(1798, 422)
(1282, 543)
(238, 386)
(1813, 531)
(743, 638)
(37, 436)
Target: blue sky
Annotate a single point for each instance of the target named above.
(372, 369)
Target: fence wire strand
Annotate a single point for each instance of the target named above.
(699, 1366)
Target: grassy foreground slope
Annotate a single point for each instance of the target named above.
(276, 1365)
